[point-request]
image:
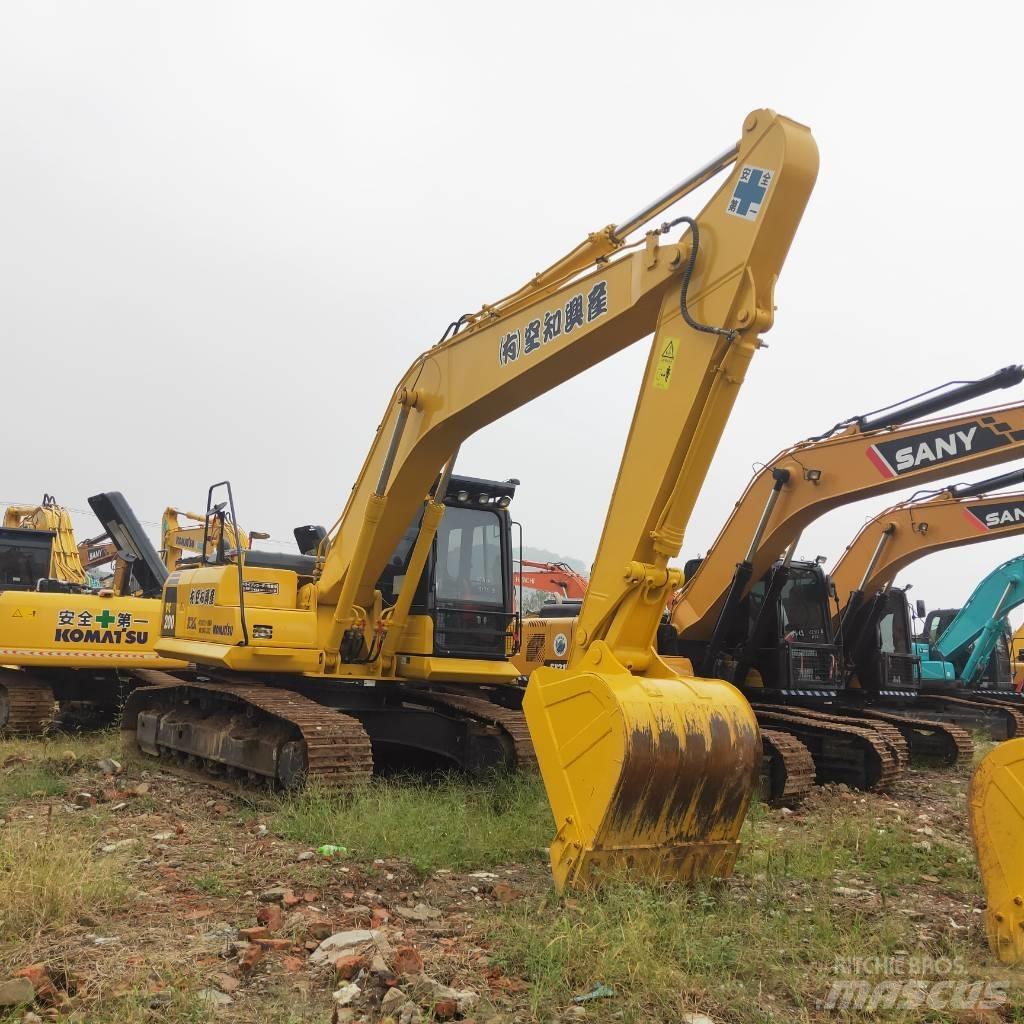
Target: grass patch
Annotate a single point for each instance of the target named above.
(49, 877)
(20, 782)
(760, 947)
(57, 747)
(451, 823)
(211, 884)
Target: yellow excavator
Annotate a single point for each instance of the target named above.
(86, 650)
(394, 633)
(44, 547)
(215, 533)
(62, 641)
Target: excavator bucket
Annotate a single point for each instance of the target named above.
(649, 777)
(996, 802)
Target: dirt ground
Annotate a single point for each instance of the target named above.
(162, 898)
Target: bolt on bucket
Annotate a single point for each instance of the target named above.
(650, 777)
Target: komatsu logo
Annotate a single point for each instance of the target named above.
(996, 516)
(895, 458)
(100, 636)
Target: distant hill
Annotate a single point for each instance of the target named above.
(543, 555)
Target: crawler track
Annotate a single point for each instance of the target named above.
(289, 738)
(511, 722)
(27, 706)
(864, 755)
(787, 768)
(1005, 721)
(928, 737)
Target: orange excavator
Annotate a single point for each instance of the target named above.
(556, 578)
(760, 619)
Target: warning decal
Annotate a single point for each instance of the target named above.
(666, 361)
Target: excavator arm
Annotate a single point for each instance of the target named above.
(48, 516)
(569, 319)
(178, 541)
(552, 578)
(860, 458)
(980, 620)
(954, 517)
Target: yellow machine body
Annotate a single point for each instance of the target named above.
(40, 630)
(996, 804)
(647, 771)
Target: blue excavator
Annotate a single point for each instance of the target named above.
(970, 644)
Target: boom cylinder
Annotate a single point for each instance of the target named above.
(1007, 377)
(993, 483)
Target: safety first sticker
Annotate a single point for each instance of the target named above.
(749, 193)
(666, 362)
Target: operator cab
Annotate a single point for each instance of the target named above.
(25, 557)
(788, 624)
(879, 645)
(466, 587)
(998, 674)
(779, 637)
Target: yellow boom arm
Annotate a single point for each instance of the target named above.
(64, 561)
(179, 541)
(804, 482)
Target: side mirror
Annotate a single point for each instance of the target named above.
(920, 608)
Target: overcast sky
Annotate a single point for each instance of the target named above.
(227, 228)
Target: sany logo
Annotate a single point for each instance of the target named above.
(995, 516)
(894, 458)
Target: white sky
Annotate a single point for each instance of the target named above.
(227, 228)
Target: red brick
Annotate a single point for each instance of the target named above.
(271, 915)
(445, 1009)
(407, 960)
(347, 967)
(250, 958)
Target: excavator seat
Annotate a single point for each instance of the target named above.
(996, 803)
(304, 565)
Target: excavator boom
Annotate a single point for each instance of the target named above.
(906, 532)
(866, 457)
